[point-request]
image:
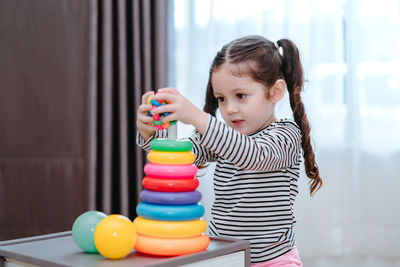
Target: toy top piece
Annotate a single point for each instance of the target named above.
(172, 133)
(158, 117)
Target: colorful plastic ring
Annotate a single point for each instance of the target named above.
(170, 145)
(171, 246)
(170, 171)
(170, 212)
(170, 185)
(169, 229)
(172, 158)
(170, 198)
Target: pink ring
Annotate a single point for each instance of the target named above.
(170, 171)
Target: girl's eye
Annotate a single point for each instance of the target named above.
(220, 99)
(241, 96)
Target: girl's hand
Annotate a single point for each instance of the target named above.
(145, 123)
(181, 109)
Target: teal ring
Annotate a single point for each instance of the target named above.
(170, 212)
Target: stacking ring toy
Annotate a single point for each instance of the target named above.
(172, 158)
(170, 185)
(170, 145)
(171, 246)
(169, 212)
(169, 229)
(170, 198)
(170, 171)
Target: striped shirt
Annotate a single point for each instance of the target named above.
(255, 183)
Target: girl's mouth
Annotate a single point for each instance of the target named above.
(237, 122)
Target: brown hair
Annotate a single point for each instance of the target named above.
(259, 58)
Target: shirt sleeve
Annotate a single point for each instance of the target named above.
(203, 154)
(273, 149)
(145, 144)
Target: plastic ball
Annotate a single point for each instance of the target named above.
(115, 236)
(83, 229)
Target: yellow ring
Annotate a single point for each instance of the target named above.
(169, 228)
(171, 246)
(173, 158)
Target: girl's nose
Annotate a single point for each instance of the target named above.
(231, 107)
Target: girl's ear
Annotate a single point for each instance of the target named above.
(277, 91)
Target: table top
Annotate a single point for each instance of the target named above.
(59, 249)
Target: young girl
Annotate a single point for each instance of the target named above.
(258, 156)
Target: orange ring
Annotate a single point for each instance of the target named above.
(171, 246)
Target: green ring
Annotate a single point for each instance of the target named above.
(171, 145)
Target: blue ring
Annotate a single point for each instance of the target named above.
(170, 198)
(169, 212)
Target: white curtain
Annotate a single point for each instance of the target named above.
(350, 51)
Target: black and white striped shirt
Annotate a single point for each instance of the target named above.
(255, 183)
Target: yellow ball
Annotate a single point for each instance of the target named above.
(115, 236)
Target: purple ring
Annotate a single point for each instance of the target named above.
(170, 198)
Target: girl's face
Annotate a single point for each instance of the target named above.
(243, 102)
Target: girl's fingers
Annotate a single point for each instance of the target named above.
(149, 127)
(144, 108)
(171, 117)
(146, 119)
(168, 90)
(164, 96)
(145, 96)
(164, 108)
(175, 103)
(146, 126)
(168, 94)
(142, 116)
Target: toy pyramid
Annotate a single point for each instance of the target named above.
(169, 221)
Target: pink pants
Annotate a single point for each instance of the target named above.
(289, 259)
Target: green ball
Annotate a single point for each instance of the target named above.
(83, 229)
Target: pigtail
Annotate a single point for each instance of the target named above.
(293, 74)
(211, 103)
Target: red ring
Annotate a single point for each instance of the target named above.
(170, 185)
